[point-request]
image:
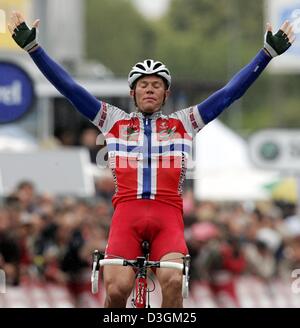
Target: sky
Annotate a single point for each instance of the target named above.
(152, 8)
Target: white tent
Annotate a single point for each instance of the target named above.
(223, 169)
(60, 170)
(15, 139)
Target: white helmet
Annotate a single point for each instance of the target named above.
(149, 67)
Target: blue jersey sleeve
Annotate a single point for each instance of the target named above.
(213, 106)
(84, 102)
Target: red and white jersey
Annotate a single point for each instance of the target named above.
(148, 154)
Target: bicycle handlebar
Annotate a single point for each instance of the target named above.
(133, 263)
(139, 263)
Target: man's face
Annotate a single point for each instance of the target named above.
(150, 93)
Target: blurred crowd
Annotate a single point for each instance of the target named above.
(51, 239)
(44, 238)
(230, 240)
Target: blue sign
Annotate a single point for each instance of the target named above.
(16, 92)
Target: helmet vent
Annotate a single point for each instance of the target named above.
(140, 66)
(133, 73)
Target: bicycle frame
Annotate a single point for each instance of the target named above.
(141, 285)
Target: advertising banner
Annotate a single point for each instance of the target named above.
(6, 7)
(16, 92)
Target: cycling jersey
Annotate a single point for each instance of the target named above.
(148, 155)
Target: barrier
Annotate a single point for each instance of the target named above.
(251, 293)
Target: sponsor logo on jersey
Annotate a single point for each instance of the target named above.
(167, 134)
(130, 132)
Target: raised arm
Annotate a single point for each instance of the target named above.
(274, 45)
(84, 102)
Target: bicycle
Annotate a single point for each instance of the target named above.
(141, 292)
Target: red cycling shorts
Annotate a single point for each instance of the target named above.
(145, 219)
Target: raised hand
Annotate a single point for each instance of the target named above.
(279, 43)
(25, 37)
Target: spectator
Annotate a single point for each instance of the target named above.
(9, 250)
(88, 139)
(25, 194)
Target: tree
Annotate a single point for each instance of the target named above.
(197, 38)
(117, 35)
(203, 42)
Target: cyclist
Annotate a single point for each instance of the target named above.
(147, 154)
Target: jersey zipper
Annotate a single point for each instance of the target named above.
(147, 161)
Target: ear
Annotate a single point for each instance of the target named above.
(167, 93)
(132, 93)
